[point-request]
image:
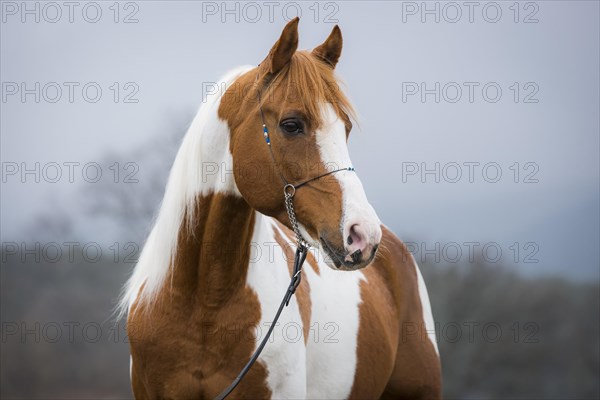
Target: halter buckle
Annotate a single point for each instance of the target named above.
(289, 190)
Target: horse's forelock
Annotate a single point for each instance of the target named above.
(312, 83)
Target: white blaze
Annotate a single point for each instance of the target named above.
(331, 141)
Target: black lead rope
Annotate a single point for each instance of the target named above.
(301, 253)
(289, 190)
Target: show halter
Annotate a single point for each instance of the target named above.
(302, 246)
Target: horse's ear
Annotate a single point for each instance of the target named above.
(331, 49)
(282, 51)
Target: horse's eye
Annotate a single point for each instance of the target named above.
(291, 126)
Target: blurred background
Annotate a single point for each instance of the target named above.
(478, 146)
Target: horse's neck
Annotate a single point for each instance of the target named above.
(213, 256)
(213, 246)
(203, 219)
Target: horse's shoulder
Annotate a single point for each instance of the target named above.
(396, 256)
(396, 267)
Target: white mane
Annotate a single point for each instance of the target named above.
(206, 142)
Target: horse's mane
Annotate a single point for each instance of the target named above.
(184, 185)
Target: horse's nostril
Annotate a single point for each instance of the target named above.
(356, 237)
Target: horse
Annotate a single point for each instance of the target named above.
(220, 254)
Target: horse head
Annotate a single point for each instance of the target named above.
(307, 122)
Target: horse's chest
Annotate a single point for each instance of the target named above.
(312, 353)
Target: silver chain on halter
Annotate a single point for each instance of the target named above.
(289, 191)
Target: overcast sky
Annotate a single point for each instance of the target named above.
(518, 91)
